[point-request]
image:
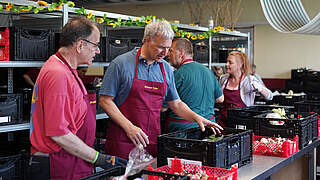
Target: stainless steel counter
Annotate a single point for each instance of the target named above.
(263, 167)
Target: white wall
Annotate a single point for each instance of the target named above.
(275, 53)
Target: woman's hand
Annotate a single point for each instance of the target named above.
(256, 85)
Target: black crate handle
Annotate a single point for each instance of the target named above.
(8, 108)
(122, 42)
(34, 34)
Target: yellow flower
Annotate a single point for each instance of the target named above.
(137, 19)
(194, 37)
(59, 7)
(215, 29)
(111, 24)
(221, 28)
(42, 3)
(188, 35)
(99, 20)
(148, 21)
(71, 4)
(8, 7)
(228, 30)
(178, 34)
(201, 37)
(25, 10)
(89, 15)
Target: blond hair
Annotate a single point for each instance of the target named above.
(246, 67)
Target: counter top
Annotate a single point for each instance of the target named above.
(264, 166)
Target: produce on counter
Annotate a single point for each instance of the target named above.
(270, 145)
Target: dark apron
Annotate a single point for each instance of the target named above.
(232, 99)
(142, 108)
(64, 165)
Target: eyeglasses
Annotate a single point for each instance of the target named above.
(96, 45)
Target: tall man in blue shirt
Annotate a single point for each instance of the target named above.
(133, 89)
(196, 85)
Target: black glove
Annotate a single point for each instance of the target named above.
(106, 161)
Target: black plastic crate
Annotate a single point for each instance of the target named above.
(127, 32)
(298, 74)
(11, 105)
(312, 86)
(13, 167)
(118, 171)
(31, 44)
(103, 50)
(307, 106)
(201, 53)
(135, 43)
(242, 118)
(287, 100)
(295, 85)
(26, 97)
(116, 46)
(313, 96)
(305, 127)
(234, 147)
(99, 109)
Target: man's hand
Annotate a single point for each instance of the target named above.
(202, 122)
(137, 136)
(107, 161)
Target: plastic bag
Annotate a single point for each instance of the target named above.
(139, 159)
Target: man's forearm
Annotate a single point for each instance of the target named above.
(75, 146)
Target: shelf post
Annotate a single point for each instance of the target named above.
(10, 80)
(210, 52)
(65, 14)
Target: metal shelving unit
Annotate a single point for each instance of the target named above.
(14, 64)
(26, 125)
(67, 12)
(231, 41)
(14, 127)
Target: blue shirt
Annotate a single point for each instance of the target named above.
(118, 77)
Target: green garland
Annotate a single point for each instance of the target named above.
(140, 21)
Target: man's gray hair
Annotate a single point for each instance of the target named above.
(158, 28)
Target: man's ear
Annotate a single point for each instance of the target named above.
(182, 53)
(147, 39)
(79, 46)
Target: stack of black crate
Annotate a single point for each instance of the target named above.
(122, 40)
(305, 80)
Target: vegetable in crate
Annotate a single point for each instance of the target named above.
(278, 113)
(215, 137)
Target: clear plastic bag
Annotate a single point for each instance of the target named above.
(139, 159)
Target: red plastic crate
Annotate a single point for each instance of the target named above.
(4, 53)
(213, 173)
(4, 36)
(285, 149)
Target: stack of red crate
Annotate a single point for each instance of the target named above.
(4, 44)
